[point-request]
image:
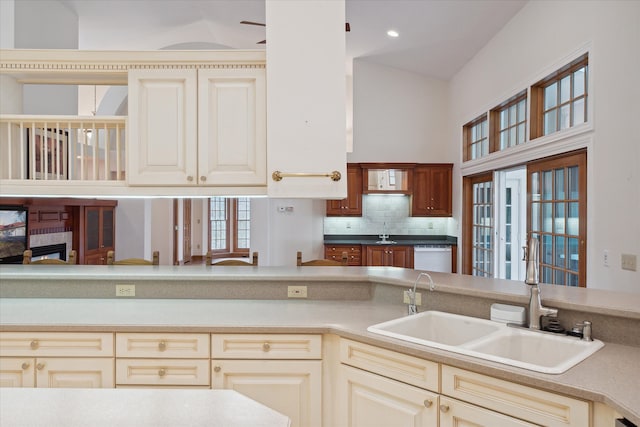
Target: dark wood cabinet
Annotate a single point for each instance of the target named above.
(389, 256)
(354, 253)
(97, 234)
(432, 187)
(352, 205)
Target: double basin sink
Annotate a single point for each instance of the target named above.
(537, 351)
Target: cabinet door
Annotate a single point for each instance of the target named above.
(232, 128)
(454, 413)
(17, 372)
(432, 191)
(162, 130)
(352, 205)
(75, 372)
(390, 256)
(291, 387)
(99, 232)
(368, 400)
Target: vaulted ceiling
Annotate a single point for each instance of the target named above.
(436, 37)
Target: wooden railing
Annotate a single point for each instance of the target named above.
(58, 148)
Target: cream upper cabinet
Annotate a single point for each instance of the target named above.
(197, 127)
(306, 86)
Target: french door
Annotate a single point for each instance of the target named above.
(479, 251)
(557, 216)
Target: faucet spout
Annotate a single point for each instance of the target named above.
(413, 308)
(536, 309)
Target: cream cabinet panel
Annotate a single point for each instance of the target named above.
(162, 345)
(162, 129)
(187, 372)
(408, 369)
(232, 133)
(17, 372)
(74, 372)
(538, 406)
(454, 413)
(369, 400)
(292, 387)
(269, 346)
(63, 344)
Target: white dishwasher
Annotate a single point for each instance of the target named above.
(432, 258)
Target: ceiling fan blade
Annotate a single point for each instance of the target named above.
(253, 23)
(262, 42)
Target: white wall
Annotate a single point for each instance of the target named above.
(544, 34)
(398, 116)
(130, 229)
(7, 27)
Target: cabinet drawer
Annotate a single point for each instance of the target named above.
(407, 369)
(162, 371)
(86, 344)
(183, 346)
(456, 413)
(260, 346)
(336, 250)
(537, 406)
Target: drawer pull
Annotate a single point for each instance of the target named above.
(162, 372)
(444, 408)
(162, 346)
(25, 366)
(189, 178)
(34, 345)
(428, 403)
(40, 366)
(266, 346)
(216, 369)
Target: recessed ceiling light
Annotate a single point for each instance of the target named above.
(392, 33)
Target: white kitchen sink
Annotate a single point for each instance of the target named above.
(485, 339)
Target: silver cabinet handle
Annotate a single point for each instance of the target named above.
(162, 346)
(189, 178)
(34, 344)
(266, 346)
(40, 366)
(428, 403)
(203, 178)
(25, 366)
(444, 408)
(162, 372)
(216, 369)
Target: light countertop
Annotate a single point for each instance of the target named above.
(101, 407)
(610, 376)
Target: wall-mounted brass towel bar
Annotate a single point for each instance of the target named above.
(277, 175)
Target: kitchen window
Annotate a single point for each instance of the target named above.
(508, 123)
(559, 101)
(229, 226)
(475, 134)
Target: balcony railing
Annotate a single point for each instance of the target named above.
(55, 148)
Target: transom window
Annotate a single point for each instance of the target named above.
(476, 139)
(561, 99)
(508, 122)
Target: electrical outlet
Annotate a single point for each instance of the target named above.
(605, 258)
(629, 262)
(125, 290)
(407, 300)
(296, 291)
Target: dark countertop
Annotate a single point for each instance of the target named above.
(369, 239)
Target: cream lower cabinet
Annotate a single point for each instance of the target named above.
(377, 386)
(56, 359)
(157, 360)
(281, 371)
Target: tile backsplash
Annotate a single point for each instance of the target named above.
(391, 212)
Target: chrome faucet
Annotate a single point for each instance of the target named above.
(413, 308)
(536, 309)
(384, 236)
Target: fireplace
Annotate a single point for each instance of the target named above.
(58, 251)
